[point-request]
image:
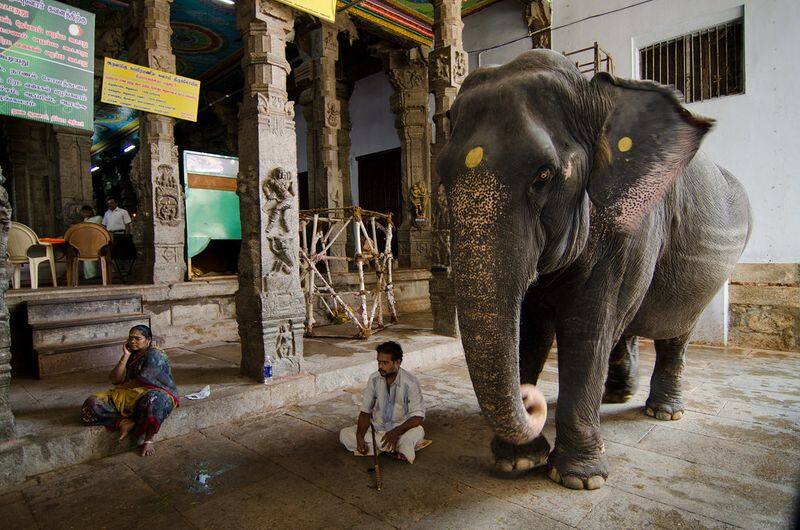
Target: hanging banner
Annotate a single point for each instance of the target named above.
(47, 62)
(324, 9)
(138, 87)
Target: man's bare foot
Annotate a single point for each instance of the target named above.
(148, 449)
(125, 427)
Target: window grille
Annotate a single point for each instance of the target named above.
(702, 65)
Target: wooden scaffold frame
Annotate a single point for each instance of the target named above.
(319, 230)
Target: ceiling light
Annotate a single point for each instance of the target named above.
(229, 2)
(94, 168)
(129, 148)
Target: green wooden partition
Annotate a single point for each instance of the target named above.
(212, 206)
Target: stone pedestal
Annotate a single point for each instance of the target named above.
(75, 178)
(6, 416)
(269, 303)
(160, 225)
(408, 73)
(447, 69)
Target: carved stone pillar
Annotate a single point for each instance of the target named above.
(408, 73)
(538, 16)
(6, 416)
(447, 69)
(160, 226)
(325, 178)
(269, 303)
(75, 179)
(343, 92)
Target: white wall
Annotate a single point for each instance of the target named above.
(757, 135)
(496, 24)
(373, 122)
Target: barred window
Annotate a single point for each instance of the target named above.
(702, 65)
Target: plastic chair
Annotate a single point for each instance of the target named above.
(88, 241)
(23, 247)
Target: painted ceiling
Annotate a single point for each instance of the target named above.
(206, 43)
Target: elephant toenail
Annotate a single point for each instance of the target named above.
(649, 412)
(677, 415)
(523, 464)
(664, 416)
(572, 482)
(554, 475)
(595, 482)
(505, 466)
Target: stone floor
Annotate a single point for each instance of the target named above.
(732, 461)
(50, 436)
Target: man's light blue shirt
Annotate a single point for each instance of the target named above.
(393, 406)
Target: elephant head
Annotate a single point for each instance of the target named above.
(539, 163)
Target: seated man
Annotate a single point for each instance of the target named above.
(393, 403)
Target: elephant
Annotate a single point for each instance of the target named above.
(580, 211)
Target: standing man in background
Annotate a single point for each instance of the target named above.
(116, 220)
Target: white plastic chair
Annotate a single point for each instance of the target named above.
(23, 244)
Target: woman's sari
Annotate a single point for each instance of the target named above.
(147, 396)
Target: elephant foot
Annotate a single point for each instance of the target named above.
(514, 460)
(578, 473)
(664, 411)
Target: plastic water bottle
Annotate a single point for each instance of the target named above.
(267, 370)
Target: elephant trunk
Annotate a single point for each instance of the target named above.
(491, 277)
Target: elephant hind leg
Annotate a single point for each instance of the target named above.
(665, 401)
(623, 371)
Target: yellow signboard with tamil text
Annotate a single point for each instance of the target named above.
(325, 9)
(138, 87)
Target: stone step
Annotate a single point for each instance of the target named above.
(81, 330)
(51, 360)
(47, 310)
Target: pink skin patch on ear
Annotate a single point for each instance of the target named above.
(568, 169)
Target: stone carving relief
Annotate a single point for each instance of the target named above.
(167, 196)
(284, 344)
(282, 253)
(460, 67)
(418, 196)
(441, 226)
(332, 114)
(441, 66)
(278, 189)
(169, 254)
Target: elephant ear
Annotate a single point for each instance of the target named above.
(646, 141)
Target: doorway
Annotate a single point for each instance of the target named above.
(380, 188)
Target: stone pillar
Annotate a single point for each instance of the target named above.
(75, 178)
(447, 69)
(270, 307)
(324, 119)
(6, 416)
(343, 92)
(409, 77)
(160, 225)
(538, 16)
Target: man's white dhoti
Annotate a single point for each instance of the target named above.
(405, 444)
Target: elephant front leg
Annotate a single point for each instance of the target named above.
(623, 371)
(578, 460)
(665, 401)
(536, 335)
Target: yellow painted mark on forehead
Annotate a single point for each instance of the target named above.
(474, 157)
(624, 144)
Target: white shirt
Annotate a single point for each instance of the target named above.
(393, 406)
(115, 220)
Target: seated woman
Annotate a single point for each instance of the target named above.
(144, 396)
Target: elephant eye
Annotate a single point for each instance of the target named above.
(544, 174)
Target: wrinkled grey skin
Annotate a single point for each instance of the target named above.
(623, 240)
